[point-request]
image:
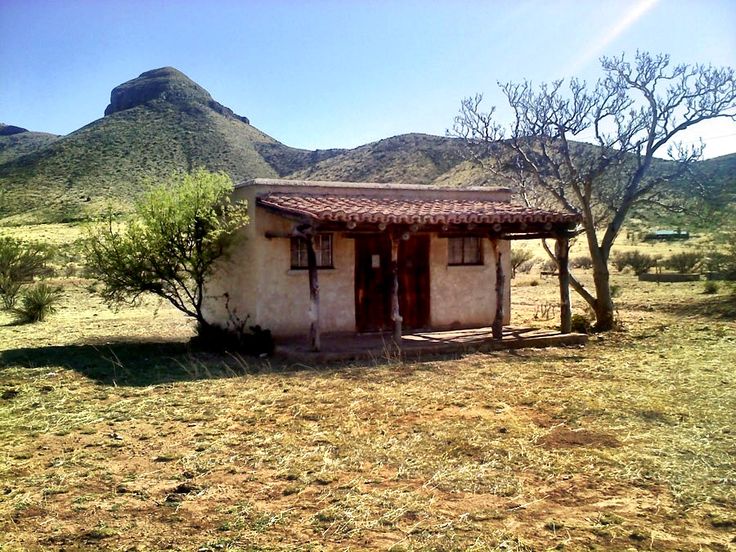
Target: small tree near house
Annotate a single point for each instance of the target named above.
(519, 256)
(179, 230)
(634, 112)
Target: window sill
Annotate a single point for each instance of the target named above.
(306, 270)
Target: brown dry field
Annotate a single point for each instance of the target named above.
(116, 437)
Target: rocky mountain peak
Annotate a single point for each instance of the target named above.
(166, 84)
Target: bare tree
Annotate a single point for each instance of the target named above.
(629, 115)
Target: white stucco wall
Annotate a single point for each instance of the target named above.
(465, 296)
(283, 294)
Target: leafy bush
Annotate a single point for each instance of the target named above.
(37, 303)
(20, 263)
(683, 262)
(615, 290)
(584, 262)
(639, 262)
(181, 228)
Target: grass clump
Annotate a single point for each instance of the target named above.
(37, 302)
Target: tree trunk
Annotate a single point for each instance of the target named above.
(314, 329)
(395, 313)
(563, 250)
(603, 301)
(497, 326)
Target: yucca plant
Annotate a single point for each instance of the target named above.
(37, 302)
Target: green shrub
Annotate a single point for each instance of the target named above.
(37, 302)
(615, 290)
(683, 262)
(710, 288)
(639, 262)
(581, 324)
(20, 263)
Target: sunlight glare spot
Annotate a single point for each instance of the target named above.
(621, 26)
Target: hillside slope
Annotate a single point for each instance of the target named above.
(411, 158)
(16, 142)
(155, 124)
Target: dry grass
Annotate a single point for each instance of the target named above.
(115, 436)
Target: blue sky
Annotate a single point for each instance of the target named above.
(337, 73)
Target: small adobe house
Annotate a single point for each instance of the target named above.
(361, 257)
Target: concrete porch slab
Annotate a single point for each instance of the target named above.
(341, 348)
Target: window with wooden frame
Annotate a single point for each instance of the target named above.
(322, 250)
(466, 250)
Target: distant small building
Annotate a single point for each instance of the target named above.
(667, 235)
(362, 257)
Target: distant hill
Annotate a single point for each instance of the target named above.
(162, 121)
(16, 142)
(155, 124)
(413, 158)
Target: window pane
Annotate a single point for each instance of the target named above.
(465, 251)
(325, 248)
(455, 251)
(322, 250)
(295, 252)
(471, 250)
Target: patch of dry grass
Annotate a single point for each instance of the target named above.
(115, 436)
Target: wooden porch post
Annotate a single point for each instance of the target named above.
(395, 314)
(314, 333)
(497, 326)
(562, 252)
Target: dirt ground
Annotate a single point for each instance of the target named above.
(115, 436)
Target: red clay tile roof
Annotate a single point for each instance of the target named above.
(360, 208)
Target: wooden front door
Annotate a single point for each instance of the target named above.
(414, 282)
(373, 281)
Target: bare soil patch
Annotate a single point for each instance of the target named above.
(563, 437)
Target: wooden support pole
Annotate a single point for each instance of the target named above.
(497, 326)
(314, 333)
(395, 314)
(562, 252)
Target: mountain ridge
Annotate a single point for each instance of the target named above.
(162, 121)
